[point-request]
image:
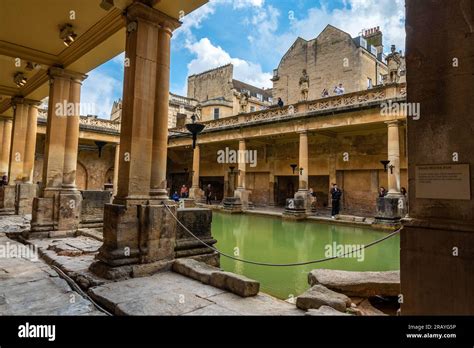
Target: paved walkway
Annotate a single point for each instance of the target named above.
(28, 286)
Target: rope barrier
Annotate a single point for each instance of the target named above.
(279, 264)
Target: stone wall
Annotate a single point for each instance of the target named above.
(211, 84)
(330, 59)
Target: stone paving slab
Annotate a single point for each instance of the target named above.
(170, 293)
(31, 287)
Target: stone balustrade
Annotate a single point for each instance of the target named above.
(333, 103)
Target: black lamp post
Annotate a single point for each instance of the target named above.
(293, 166)
(385, 163)
(194, 128)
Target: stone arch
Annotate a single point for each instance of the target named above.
(81, 176)
(109, 176)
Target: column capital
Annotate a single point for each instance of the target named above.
(4, 118)
(20, 100)
(141, 11)
(302, 132)
(393, 123)
(57, 72)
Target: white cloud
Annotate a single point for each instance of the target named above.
(355, 16)
(97, 94)
(209, 56)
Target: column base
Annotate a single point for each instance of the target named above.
(57, 213)
(294, 209)
(24, 195)
(232, 205)
(306, 197)
(244, 196)
(390, 210)
(140, 240)
(7, 200)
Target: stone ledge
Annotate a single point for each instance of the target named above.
(358, 284)
(206, 274)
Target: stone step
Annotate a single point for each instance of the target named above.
(207, 274)
(359, 284)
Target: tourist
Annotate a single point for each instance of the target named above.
(324, 93)
(403, 191)
(280, 102)
(339, 90)
(175, 196)
(336, 194)
(4, 181)
(208, 193)
(184, 191)
(382, 191)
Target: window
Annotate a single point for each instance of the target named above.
(270, 100)
(216, 113)
(252, 108)
(380, 79)
(369, 83)
(259, 96)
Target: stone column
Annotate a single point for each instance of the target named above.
(57, 211)
(22, 156)
(394, 158)
(6, 133)
(303, 171)
(392, 207)
(30, 145)
(242, 193)
(160, 121)
(303, 162)
(18, 140)
(72, 137)
(242, 165)
(7, 193)
(195, 191)
(116, 167)
(137, 228)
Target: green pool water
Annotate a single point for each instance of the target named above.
(273, 240)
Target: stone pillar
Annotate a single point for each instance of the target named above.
(242, 193)
(303, 171)
(6, 132)
(160, 122)
(30, 144)
(22, 154)
(57, 211)
(332, 165)
(271, 190)
(392, 207)
(242, 165)
(18, 141)
(437, 241)
(116, 168)
(195, 191)
(138, 229)
(394, 158)
(7, 193)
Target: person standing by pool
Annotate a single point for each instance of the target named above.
(208, 193)
(336, 194)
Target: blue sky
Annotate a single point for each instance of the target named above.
(253, 35)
